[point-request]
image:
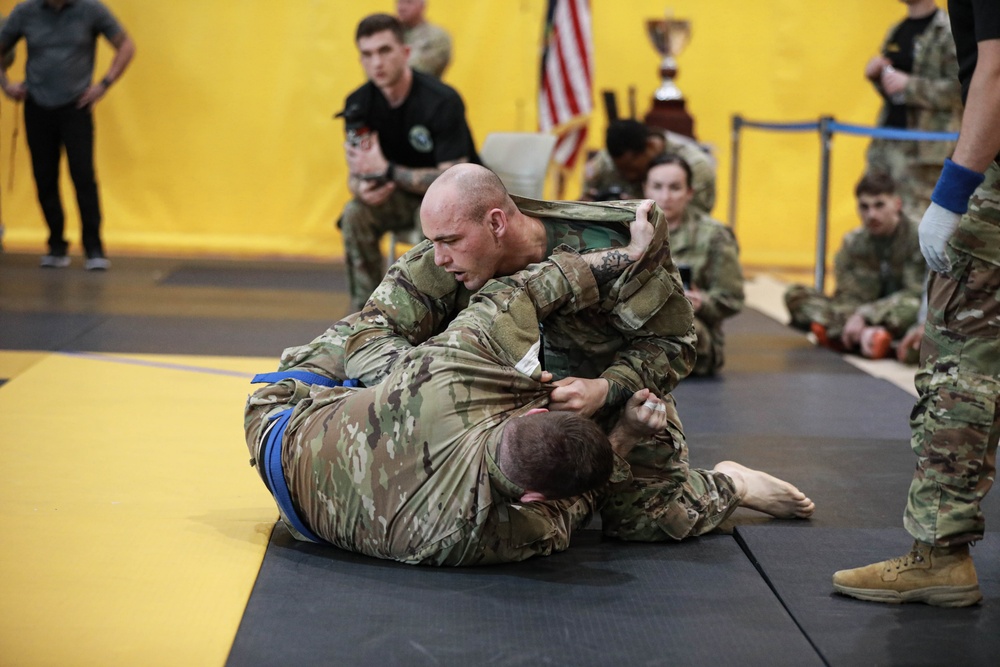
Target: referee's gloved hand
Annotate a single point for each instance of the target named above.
(936, 227)
(948, 202)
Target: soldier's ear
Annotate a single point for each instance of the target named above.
(497, 220)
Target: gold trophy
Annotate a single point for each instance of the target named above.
(669, 37)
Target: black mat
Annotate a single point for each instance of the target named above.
(696, 602)
(849, 632)
(43, 331)
(205, 336)
(305, 278)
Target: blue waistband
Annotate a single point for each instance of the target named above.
(302, 376)
(274, 474)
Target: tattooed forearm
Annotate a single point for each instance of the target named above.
(418, 179)
(607, 265)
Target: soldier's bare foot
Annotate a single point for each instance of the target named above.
(766, 493)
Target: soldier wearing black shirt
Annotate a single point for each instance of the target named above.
(403, 129)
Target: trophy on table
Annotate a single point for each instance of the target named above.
(669, 37)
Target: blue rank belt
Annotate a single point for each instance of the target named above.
(269, 456)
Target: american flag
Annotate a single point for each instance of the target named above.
(564, 101)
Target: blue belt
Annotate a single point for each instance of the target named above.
(269, 456)
(274, 473)
(303, 376)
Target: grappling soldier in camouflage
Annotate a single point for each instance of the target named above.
(451, 460)
(638, 336)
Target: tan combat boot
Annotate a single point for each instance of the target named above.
(939, 576)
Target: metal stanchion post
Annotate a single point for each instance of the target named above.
(825, 135)
(734, 169)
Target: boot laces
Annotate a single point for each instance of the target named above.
(915, 556)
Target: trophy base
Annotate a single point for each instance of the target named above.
(671, 115)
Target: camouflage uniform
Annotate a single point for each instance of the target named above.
(639, 335)
(430, 48)
(882, 278)
(601, 175)
(956, 420)
(362, 227)
(406, 469)
(933, 104)
(710, 249)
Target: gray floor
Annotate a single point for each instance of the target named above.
(756, 595)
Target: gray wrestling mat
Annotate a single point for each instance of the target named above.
(307, 277)
(598, 603)
(799, 563)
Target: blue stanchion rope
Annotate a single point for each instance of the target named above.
(849, 128)
(891, 132)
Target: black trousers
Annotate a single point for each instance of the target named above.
(49, 131)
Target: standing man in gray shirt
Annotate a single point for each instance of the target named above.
(58, 95)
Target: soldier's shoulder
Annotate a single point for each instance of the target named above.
(417, 270)
(434, 87)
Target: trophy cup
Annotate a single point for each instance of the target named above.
(669, 37)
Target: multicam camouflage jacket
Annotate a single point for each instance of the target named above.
(880, 275)
(710, 249)
(406, 469)
(638, 335)
(933, 95)
(601, 175)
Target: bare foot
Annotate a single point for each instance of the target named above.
(766, 493)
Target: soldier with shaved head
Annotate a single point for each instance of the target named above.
(637, 335)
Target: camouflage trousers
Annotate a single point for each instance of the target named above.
(708, 349)
(914, 180)
(806, 305)
(362, 227)
(956, 420)
(667, 499)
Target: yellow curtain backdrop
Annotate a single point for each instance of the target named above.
(220, 137)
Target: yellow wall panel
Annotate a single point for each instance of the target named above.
(220, 137)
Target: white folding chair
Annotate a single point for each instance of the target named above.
(520, 159)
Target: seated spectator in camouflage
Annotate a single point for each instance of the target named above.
(706, 254)
(430, 45)
(618, 171)
(880, 277)
(639, 335)
(452, 459)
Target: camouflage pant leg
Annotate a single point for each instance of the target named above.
(956, 420)
(708, 349)
(362, 227)
(806, 305)
(667, 499)
(262, 404)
